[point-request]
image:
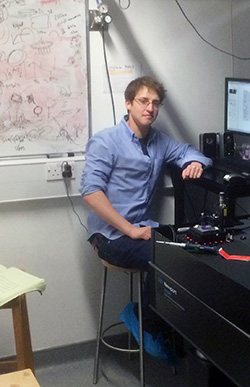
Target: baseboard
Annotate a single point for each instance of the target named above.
(68, 353)
(64, 354)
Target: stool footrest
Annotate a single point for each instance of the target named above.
(116, 348)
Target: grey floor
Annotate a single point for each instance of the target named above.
(115, 370)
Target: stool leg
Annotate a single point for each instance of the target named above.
(173, 343)
(140, 281)
(22, 335)
(130, 300)
(99, 330)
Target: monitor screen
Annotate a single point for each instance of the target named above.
(237, 105)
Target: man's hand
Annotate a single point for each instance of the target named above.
(193, 171)
(140, 232)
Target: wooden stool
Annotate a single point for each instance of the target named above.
(101, 332)
(24, 355)
(24, 378)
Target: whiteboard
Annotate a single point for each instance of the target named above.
(43, 77)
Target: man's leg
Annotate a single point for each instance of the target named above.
(127, 252)
(123, 252)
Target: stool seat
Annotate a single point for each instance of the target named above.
(101, 332)
(119, 268)
(24, 354)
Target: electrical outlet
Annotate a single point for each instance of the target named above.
(54, 170)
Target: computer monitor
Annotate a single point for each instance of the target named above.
(237, 105)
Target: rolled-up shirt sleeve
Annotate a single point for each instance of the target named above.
(191, 154)
(182, 154)
(98, 167)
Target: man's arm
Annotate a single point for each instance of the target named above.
(99, 203)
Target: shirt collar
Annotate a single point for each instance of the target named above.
(130, 132)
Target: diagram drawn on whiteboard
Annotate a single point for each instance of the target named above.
(43, 77)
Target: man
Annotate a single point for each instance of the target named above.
(123, 166)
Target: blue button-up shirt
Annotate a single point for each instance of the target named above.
(116, 165)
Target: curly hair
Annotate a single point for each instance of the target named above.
(135, 85)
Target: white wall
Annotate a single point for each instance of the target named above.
(157, 36)
(44, 236)
(240, 41)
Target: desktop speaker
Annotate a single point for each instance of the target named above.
(210, 144)
(228, 139)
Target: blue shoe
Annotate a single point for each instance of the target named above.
(154, 346)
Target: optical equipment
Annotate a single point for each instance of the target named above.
(99, 19)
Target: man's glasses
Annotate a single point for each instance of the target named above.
(144, 102)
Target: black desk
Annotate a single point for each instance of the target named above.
(207, 300)
(189, 194)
